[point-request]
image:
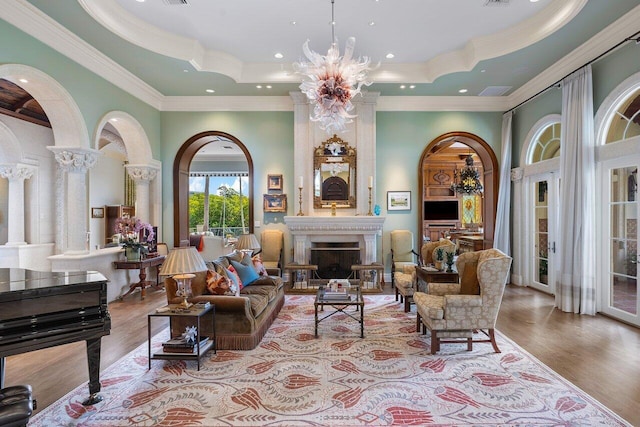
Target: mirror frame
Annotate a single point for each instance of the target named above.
(334, 150)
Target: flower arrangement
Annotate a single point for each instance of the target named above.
(130, 230)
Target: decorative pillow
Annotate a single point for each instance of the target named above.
(217, 284)
(469, 281)
(247, 273)
(235, 256)
(233, 275)
(258, 265)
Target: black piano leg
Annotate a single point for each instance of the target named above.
(93, 357)
(1, 372)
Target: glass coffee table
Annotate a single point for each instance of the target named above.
(339, 302)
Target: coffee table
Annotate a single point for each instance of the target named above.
(339, 305)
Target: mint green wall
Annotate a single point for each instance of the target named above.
(94, 96)
(267, 135)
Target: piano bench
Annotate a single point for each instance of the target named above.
(16, 405)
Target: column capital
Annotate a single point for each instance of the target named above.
(16, 171)
(141, 173)
(517, 174)
(75, 159)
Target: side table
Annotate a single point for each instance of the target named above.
(142, 266)
(300, 275)
(195, 314)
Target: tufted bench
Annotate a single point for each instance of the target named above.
(16, 406)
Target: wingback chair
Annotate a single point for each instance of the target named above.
(406, 281)
(402, 255)
(455, 311)
(272, 248)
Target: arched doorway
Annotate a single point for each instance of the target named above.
(490, 177)
(181, 170)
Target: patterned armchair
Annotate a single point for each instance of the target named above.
(455, 311)
(402, 255)
(406, 284)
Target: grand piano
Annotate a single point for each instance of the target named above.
(45, 309)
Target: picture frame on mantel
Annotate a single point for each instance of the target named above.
(274, 182)
(275, 203)
(398, 200)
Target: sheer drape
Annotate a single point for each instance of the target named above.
(575, 289)
(502, 235)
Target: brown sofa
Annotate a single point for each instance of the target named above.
(241, 321)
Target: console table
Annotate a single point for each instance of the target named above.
(142, 266)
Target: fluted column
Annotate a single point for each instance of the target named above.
(76, 162)
(142, 176)
(16, 174)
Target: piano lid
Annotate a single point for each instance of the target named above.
(18, 279)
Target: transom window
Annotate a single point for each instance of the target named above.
(547, 145)
(625, 123)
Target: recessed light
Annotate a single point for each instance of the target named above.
(210, 91)
(483, 71)
(278, 55)
(372, 23)
(533, 1)
(462, 91)
(268, 86)
(24, 81)
(293, 22)
(113, 120)
(390, 56)
(186, 71)
(259, 86)
(412, 87)
(402, 86)
(140, 1)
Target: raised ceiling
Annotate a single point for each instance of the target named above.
(164, 50)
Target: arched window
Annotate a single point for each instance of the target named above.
(625, 122)
(546, 145)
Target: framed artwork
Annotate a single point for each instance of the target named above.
(97, 212)
(275, 203)
(398, 200)
(274, 182)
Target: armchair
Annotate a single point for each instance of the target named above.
(454, 311)
(402, 254)
(272, 249)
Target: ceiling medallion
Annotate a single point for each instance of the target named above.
(331, 81)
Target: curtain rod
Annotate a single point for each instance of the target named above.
(633, 37)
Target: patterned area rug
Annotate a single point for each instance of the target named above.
(294, 379)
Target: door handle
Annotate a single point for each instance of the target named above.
(552, 247)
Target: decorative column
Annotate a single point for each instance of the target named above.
(16, 174)
(76, 162)
(519, 229)
(142, 175)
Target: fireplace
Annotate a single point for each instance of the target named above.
(334, 259)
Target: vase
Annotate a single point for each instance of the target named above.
(450, 268)
(132, 254)
(438, 265)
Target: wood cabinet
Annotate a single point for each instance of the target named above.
(111, 213)
(470, 243)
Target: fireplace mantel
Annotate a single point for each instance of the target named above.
(309, 229)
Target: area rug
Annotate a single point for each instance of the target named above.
(294, 379)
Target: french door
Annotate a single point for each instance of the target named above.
(619, 266)
(543, 239)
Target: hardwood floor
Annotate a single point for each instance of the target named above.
(598, 354)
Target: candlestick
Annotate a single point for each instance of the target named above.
(370, 182)
(300, 181)
(300, 199)
(369, 213)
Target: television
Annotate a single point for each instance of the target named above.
(441, 210)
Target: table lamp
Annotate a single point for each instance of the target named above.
(247, 243)
(180, 265)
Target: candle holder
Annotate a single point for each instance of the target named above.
(369, 213)
(300, 202)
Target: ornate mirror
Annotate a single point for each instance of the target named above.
(334, 174)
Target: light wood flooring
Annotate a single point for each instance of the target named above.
(598, 354)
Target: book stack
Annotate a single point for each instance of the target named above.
(341, 295)
(180, 345)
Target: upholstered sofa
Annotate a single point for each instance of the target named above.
(241, 321)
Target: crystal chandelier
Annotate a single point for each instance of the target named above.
(467, 181)
(331, 81)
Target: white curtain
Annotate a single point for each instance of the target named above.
(575, 288)
(501, 234)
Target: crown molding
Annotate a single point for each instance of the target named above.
(442, 103)
(227, 103)
(32, 21)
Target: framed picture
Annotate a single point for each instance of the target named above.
(97, 212)
(398, 200)
(275, 203)
(274, 182)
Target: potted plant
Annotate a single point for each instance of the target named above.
(134, 235)
(450, 256)
(439, 257)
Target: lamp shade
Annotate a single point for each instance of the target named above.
(182, 260)
(247, 242)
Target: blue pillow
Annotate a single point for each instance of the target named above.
(247, 274)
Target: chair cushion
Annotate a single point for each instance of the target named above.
(247, 273)
(403, 280)
(469, 284)
(431, 306)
